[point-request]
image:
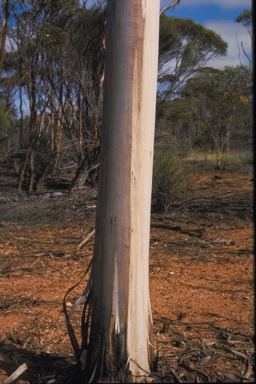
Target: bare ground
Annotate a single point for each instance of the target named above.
(201, 281)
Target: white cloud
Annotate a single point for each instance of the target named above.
(233, 34)
(228, 4)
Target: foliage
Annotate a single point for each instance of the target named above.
(204, 159)
(4, 120)
(213, 112)
(7, 114)
(222, 100)
(56, 66)
(245, 18)
(172, 183)
(184, 46)
(53, 74)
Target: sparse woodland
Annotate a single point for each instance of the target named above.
(106, 275)
(52, 90)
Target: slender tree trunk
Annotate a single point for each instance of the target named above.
(5, 10)
(58, 137)
(32, 171)
(21, 119)
(58, 141)
(120, 337)
(219, 155)
(80, 127)
(52, 125)
(23, 170)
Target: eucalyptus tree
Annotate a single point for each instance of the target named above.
(117, 329)
(3, 32)
(38, 36)
(246, 19)
(184, 47)
(8, 65)
(221, 104)
(85, 65)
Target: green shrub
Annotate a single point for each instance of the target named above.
(172, 183)
(238, 158)
(232, 158)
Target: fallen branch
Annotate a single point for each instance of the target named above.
(14, 376)
(86, 239)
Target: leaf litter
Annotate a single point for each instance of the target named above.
(201, 284)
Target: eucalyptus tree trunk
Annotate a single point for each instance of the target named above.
(3, 33)
(120, 341)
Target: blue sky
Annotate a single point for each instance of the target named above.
(219, 16)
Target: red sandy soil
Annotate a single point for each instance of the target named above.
(201, 282)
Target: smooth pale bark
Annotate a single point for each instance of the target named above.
(121, 325)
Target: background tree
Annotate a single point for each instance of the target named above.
(30, 36)
(53, 74)
(184, 47)
(220, 101)
(86, 65)
(44, 71)
(245, 18)
(3, 33)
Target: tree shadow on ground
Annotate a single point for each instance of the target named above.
(42, 367)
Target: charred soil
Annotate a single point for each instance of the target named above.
(201, 280)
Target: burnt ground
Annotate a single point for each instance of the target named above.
(201, 280)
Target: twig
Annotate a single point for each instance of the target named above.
(22, 368)
(149, 374)
(93, 373)
(87, 238)
(200, 181)
(175, 2)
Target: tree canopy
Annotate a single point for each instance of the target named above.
(53, 73)
(184, 47)
(245, 18)
(214, 110)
